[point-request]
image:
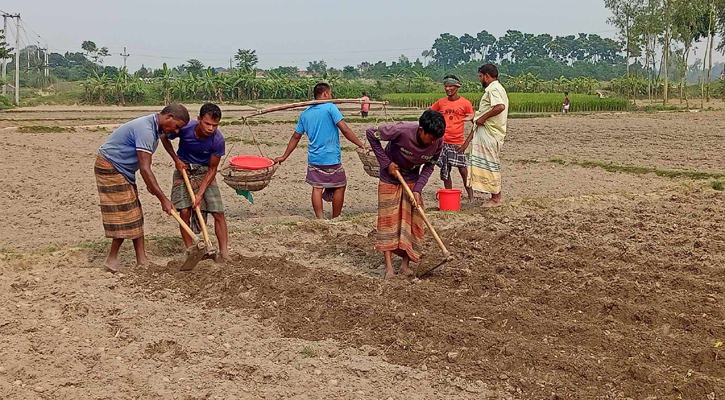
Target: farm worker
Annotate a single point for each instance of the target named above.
(201, 146)
(454, 109)
(488, 137)
(127, 150)
(365, 107)
(325, 172)
(410, 145)
(567, 102)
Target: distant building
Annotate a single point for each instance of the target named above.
(305, 74)
(260, 74)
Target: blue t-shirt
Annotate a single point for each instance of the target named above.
(195, 151)
(319, 122)
(141, 134)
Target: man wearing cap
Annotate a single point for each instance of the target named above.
(455, 109)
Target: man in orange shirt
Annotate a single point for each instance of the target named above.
(454, 108)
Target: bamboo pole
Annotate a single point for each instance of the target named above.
(311, 103)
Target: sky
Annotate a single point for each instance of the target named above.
(287, 32)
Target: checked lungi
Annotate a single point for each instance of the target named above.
(450, 158)
(329, 177)
(120, 206)
(212, 201)
(400, 226)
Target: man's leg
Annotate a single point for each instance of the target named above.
(464, 176)
(185, 215)
(222, 234)
(140, 247)
(111, 263)
(389, 272)
(317, 202)
(448, 183)
(338, 199)
(495, 201)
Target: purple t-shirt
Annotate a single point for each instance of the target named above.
(403, 149)
(195, 151)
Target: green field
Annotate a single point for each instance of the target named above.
(520, 102)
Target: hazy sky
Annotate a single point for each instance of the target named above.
(286, 32)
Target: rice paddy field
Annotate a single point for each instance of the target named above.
(600, 278)
(520, 102)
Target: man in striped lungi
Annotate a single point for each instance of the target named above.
(127, 150)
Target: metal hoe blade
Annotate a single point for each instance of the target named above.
(448, 259)
(194, 254)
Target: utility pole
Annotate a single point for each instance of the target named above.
(47, 62)
(230, 64)
(125, 55)
(5, 62)
(17, 58)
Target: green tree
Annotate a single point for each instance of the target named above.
(317, 67)
(449, 51)
(246, 58)
(167, 82)
(194, 66)
(120, 85)
(484, 43)
(5, 51)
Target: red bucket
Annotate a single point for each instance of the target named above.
(251, 162)
(449, 199)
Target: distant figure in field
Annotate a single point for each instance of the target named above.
(454, 109)
(365, 107)
(567, 103)
(322, 123)
(488, 137)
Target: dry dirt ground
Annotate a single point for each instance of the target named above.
(588, 284)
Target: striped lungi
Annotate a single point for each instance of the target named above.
(211, 203)
(400, 226)
(120, 207)
(484, 173)
(450, 158)
(329, 177)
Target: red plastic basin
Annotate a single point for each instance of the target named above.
(251, 162)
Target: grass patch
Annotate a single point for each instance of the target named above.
(46, 250)
(99, 245)
(641, 170)
(167, 245)
(309, 351)
(717, 185)
(45, 129)
(9, 254)
(98, 129)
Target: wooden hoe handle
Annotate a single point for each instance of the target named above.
(422, 213)
(202, 222)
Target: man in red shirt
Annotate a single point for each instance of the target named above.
(454, 108)
(365, 107)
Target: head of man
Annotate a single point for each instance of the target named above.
(322, 91)
(431, 127)
(452, 84)
(487, 74)
(209, 117)
(566, 94)
(364, 94)
(172, 118)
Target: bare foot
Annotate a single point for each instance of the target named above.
(469, 190)
(406, 271)
(492, 204)
(389, 274)
(112, 266)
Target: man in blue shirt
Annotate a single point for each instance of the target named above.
(127, 150)
(324, 170)
(201, 146)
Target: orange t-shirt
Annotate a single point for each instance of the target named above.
(454, 112)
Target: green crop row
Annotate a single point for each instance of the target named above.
(520, 102)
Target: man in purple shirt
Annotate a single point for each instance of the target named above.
(201, 146)
(410, 145)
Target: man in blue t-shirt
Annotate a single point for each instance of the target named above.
(201, 146)
(324, 170)
(127, 150)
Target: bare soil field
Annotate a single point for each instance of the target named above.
(587, 284)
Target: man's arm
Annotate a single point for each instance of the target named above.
(372, 134)
(144, 160)
(180, 165)
(349, 134)
(291, 146)
(207, 180)
(496, 110)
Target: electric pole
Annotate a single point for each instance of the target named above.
(47, 62)
(5, 61)
(230, 64)
(17, 58)
(125, 55)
